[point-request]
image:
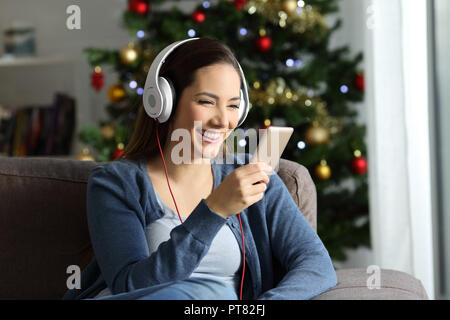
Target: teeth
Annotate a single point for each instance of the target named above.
(212, 136)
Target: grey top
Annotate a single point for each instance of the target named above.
(223, 260)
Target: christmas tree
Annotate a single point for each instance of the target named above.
(294, 79)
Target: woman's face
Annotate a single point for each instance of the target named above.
(212, 100)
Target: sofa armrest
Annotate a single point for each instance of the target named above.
(301, 187)
(394, 285)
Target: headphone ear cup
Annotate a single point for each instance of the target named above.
(168, 97)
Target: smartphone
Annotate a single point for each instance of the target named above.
(271, 145)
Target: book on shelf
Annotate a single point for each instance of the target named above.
(39, 130)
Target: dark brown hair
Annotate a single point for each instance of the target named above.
(179, 67)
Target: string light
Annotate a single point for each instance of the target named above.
(243, 31)
(301, 145)
(290, 62)
(133, 84)
(140, 34)
(344, 89)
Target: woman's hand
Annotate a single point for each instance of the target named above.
(240, 189)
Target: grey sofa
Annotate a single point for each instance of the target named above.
(43, 230)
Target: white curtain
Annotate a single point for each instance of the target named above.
(398, 132)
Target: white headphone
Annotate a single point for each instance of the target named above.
(159, 95)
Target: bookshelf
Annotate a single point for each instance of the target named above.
(34, 82)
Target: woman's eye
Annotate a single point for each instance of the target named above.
(209, 102)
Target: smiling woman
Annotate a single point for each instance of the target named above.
(232, 216)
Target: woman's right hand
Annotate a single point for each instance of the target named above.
(240, 189)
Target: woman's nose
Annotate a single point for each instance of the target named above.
(221, 117)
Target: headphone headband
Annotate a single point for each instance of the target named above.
(159, 92)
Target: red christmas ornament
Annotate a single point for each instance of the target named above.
(198, 16)
(359, 82)
(263, 43)
(118, 152)
(239, 4)
(97, 80)
(359, 165)
(139, 6)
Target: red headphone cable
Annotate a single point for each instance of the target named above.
(165, 169)
(179, 216)
(243, 256)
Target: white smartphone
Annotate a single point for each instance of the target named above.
(271, 145)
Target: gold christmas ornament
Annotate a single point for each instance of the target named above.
(107, 131)
(85, 155)
(128, 54)
(323, 171)
(316, 135)
(116, 93)
(289, 6)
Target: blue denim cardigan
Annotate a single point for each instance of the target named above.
(285, 258)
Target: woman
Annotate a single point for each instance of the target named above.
(142, 249)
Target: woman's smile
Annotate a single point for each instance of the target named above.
(209, 136)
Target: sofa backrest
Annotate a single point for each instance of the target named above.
(43, 225)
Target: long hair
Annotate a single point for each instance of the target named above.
(179, 67)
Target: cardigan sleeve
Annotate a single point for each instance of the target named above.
(116, 221)
(309, 270)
